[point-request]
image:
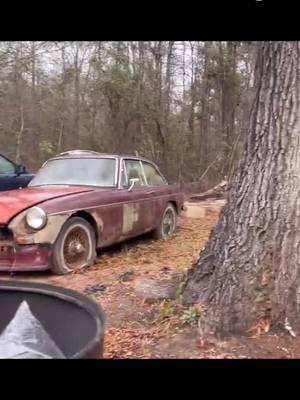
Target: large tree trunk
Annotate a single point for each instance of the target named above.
(250, 269)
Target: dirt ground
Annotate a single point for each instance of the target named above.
(135, 329)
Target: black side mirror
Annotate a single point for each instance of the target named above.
(20, 169)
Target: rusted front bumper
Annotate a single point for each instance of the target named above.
(25, 257)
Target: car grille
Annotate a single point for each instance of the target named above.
(5, 233)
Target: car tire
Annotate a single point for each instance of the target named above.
(167, 225)
(75, 247)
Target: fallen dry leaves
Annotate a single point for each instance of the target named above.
(133, 328)
(263, 326)
(127, 342)
(136, 330)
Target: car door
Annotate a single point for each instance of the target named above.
(8, 177)
(138, 206)
(157, 192)
(107, 205)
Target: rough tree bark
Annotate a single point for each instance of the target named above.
(250, 268)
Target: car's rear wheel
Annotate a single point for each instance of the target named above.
(75, 247)
(167, 225)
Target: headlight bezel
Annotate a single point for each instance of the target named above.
(42, 215)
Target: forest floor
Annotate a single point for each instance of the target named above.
(135, 329)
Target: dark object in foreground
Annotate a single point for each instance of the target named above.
(25, 337)
(74, 321)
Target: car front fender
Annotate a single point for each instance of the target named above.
(24, 235)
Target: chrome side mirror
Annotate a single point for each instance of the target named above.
(132, 183)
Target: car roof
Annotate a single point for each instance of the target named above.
(95, 154)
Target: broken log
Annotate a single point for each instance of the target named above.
(217, 192)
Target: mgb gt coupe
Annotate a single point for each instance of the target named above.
(81, 201)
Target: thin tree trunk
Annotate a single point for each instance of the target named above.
(140, 95)
(168, 82)
(228, 85)
(183, 72)
(60, 137)
(62, 110)
(158, 55)
(19, 93)
(77, 100)
(193, 96)
(204, 117)
(20, 135)
(33, 69)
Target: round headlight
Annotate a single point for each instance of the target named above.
(36, 218)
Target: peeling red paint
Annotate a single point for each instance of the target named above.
(15, 201)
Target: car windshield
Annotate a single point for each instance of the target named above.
(77, 171)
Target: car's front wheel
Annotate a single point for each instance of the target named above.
(75, 247)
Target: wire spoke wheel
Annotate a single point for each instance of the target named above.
(76, 249)
(168, 224)
(75, 246)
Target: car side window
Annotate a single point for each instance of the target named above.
(6, 167)
(153, 177)
(134, 171)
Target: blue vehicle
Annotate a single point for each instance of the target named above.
(12, 176)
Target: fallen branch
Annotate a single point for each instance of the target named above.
(208, 168)
(219, 191)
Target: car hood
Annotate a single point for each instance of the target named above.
(15, 201)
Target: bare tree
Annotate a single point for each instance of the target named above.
(161, 99)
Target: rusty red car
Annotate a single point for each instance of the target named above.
(81, 201)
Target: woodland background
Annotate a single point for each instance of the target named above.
(184, 105)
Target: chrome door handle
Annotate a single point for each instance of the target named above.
(150, 192)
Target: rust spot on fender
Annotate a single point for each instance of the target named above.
(51, 231)
(98, 219)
